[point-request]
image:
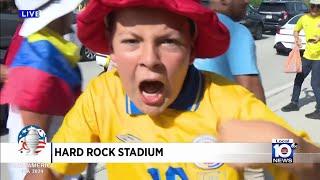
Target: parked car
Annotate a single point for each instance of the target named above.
(9, 20)
(284, 40)
(278, 12)
(85, 53)
(254, 22)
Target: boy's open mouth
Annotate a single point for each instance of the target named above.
(151, 91)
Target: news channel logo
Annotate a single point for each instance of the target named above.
(283, 150)
(32, 139)
(29, 14)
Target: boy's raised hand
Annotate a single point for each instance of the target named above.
(235, 131)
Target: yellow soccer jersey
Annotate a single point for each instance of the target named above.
(104, 113)
(311, 27)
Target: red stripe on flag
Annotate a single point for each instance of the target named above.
(38, 91)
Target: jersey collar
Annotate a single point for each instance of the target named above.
(188, 99)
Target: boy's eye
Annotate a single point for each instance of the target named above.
(130, 41)
(169, 41)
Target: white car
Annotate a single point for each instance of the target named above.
(284, 40)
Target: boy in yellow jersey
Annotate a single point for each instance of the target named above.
(310, 23)
(156, 94)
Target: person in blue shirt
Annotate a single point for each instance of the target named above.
(239, 63)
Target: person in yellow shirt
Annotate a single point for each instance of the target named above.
(156, 95)
(310, 23)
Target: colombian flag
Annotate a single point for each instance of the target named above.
(44, 76)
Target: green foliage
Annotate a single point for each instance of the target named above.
(255, 3)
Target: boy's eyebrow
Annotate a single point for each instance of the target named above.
(165, 34)
(126, 32)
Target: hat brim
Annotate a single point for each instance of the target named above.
(213, 37)
(47, 15)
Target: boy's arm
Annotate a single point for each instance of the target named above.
(33, 118)
(254, 131)
(253, 122)
(3, 73)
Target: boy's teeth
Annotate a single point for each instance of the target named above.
(148, 94)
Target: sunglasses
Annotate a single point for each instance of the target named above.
(315, 5)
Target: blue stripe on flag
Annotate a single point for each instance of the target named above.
(43, 56)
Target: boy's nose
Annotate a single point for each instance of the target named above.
(150, 58)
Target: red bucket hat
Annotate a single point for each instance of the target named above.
(212, 38)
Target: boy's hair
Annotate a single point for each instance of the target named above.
(110, 26)
(109, 22)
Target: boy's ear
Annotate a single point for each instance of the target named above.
(113, 57)
(192, 54)
(111, 54)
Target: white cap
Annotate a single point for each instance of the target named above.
(54, 10)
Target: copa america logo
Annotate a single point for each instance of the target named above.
(32, 139)
(207, 165)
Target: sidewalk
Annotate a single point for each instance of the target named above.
(296, 118)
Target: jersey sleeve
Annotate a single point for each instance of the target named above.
(79, 125)
(241, 54)
(298, 25)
